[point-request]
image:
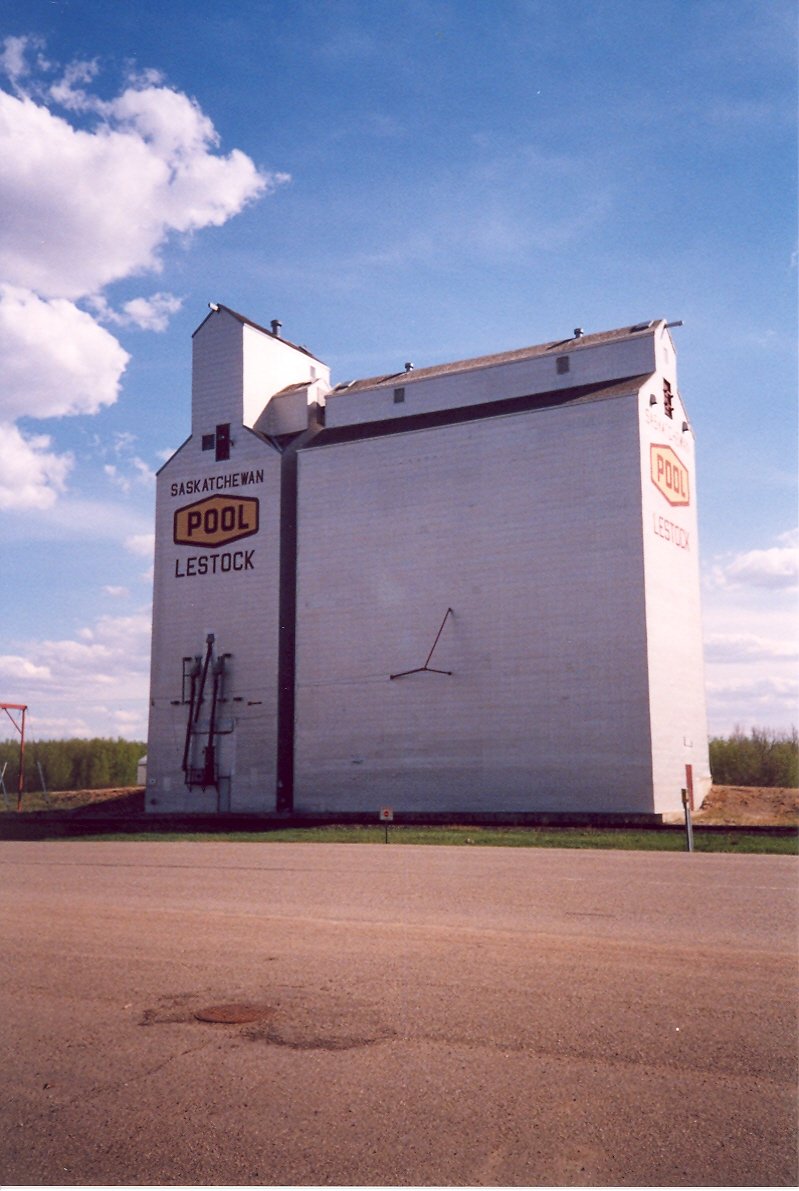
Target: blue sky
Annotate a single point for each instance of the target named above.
(405, 181)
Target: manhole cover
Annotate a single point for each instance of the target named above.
(232, 1014)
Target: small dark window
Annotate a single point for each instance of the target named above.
(223, 441)
(399, 396)
(668, 400)
(562, 363)
(209, 442)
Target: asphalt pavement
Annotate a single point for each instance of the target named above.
(395, 1015)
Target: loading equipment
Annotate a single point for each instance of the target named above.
(207, 774)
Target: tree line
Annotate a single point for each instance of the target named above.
(761, 758)
(757, 758)
(97, 764)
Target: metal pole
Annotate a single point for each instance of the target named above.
(20, 728)
(689, 827)
(3, 784)
(21, 783)
(190, 723)
(209, 641)
(209, 768)
(41, 779)
(438, 635)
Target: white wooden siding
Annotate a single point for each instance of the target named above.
(528, 526)
(674, 620)
(574, 642)
(632, 356)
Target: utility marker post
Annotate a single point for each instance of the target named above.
(386, 817)
(689, 827)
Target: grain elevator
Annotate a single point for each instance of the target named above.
(468, 588)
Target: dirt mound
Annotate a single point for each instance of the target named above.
(112, 802)
(124, 801)
(750, 806)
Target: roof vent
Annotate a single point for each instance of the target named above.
(408, 366)
(578, 332)
(276, 324)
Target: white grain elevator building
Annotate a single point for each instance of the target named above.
(471, 588)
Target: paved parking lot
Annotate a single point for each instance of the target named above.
(416, 1016)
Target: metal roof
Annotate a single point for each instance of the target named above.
(556, 347)
(248, 322)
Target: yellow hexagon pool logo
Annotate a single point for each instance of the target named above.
(216, 521)
(669, 474)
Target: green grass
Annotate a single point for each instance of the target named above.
(508, 837)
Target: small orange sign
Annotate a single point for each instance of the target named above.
(216, 521)
(669, 474)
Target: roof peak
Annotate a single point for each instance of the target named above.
(216, 307)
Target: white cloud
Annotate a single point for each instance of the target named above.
(152, 151)
(142, 544)
(12, 57)
(102, 672)
(148, 314)
(58, 727)
(31, 476)
(91, 196)
(775, 567)
(123, 467)
(754, 701)
(152, 314)
(115, 591)
(140, 473)
(22, 669)
(751, 642)
(54, 358)
(747, 647)
(75, 520)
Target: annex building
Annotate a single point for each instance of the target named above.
(466, 588)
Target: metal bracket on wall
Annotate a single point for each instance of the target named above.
(206, 774)
(427, 668)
